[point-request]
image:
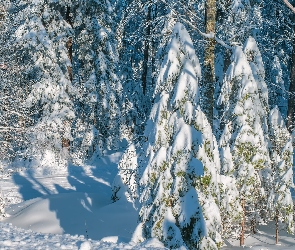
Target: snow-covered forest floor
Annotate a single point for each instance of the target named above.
(63, 211)
(74, 210)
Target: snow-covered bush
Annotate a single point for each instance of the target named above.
(126, 182)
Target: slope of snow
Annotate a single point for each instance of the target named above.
(75, 213)
(15, 238)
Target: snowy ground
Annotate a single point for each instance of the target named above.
(264, 239)
(74, 211)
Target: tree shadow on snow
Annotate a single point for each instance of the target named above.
(89, 210)
(25, 187)
(81, 201)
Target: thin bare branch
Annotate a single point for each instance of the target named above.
(289, 5)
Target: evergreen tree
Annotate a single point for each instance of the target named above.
(281, 203)
(276, 34)
(99, 126)
(15, 82)
(230, 205)
(179, 163)
(42, 37)
(244, 134)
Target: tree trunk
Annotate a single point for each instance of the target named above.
(146, 50)
(2, 14)
(291, 99)
(242, 236)
(209, 69)
(253, 225)
(277, 227)
(66, 143)
(69, 46)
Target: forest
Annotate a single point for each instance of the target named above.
(197, 95)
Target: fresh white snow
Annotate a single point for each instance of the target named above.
(74, 211)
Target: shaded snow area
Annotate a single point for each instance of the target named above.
(75, 211)
(70, 211)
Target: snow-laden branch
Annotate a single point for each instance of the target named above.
(289, 5)
(210, 35)
(3, 129)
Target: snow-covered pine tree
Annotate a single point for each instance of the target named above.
(179, 163)
(244, 134)
(281, 203)
(236, 21)
(15, 78)
(277, 17)
(109, 88)
(85, 134)
(254, 58)
(230, 205)
(98, 102)
(43, 36)
(141, 49)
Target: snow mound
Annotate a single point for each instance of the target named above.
(75, 213)
(16, 238)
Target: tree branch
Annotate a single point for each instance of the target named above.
(289, 5)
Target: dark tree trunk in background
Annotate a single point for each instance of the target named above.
(277, 227)
(291, 99)
(69, 46)
(146, 50)
(209, 69)
(66, 143)
(242, 236)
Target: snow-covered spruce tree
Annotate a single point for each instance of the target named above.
(98, 128)
(179, 163)
(142, 32)
(230, 206)
(15, 74)
(277, 17)
(43, 36)
(244, 134)
(236, 21)
(281, 203)
(109, 88)
(255, 60)
(102, 88)
(85, 141)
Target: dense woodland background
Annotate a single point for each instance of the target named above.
(200, 95)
